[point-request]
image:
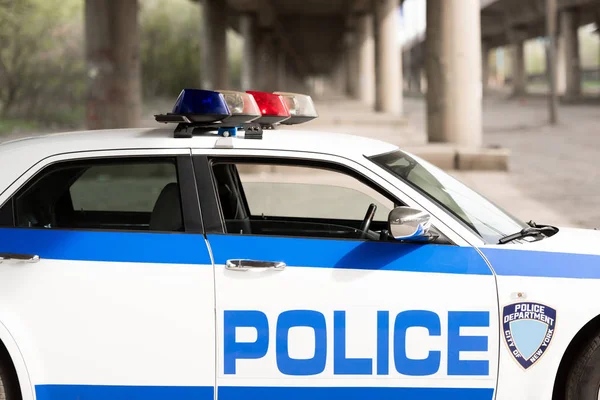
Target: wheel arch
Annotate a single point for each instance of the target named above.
(579, 341)
(10, 352)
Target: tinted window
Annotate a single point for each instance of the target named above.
(298, 201)
(134, 194)
(134, 187)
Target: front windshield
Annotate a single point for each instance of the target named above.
(478, 213)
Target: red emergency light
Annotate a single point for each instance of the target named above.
(271, 106)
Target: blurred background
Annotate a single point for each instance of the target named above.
(502, 94)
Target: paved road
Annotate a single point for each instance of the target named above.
(556, 166)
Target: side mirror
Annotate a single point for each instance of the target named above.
(409, 223)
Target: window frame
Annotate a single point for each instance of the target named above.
(446, 224)
(209, 198)
(191, 213)
(212, 161)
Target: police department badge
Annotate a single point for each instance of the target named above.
(528, 330)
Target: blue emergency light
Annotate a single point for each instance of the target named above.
(226, 111)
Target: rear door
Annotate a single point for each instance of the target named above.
(106, 282)
(311, 306)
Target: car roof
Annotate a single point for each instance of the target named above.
(279, 139)
(21, 154)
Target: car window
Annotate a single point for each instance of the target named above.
(115, 194)
(297, 200)
(135, 187)
(478, 213)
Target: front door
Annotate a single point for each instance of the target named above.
(314, 302)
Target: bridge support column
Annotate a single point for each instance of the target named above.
(215, 71)
(339, 75)
(454, 72)
(485, 67)
(366, 66)
(248, 72)
(569, 62)
(281, 71)
(415, 70)
(352, 76)
(519, 75)
(388, 67)
(113, 64)
(267, 72)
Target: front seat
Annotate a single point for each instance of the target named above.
(166, 215)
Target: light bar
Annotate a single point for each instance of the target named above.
(242, 106)
(301, 107)
(227, 111)
(271, 106)
(201, 106)
(224, 107)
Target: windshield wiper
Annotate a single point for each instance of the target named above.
(532, 230)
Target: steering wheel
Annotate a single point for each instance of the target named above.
(364, 228)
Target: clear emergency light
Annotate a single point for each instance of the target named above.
(227, 111)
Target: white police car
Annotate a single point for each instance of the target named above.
(238, 262)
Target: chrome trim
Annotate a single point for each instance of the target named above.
(245, 265)
(26, 258)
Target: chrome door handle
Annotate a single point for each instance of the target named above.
(245, 265)
(27, 258)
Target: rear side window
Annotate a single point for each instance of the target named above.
(114, 194)
(119, 188)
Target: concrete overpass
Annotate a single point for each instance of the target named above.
(286, 42)
(511, 23)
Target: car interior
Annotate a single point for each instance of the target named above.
(48, 203)
(239, 219)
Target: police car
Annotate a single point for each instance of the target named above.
(227, 257)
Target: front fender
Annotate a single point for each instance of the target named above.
(566, 282)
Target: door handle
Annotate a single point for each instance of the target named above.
(245, 265)
(27, 258)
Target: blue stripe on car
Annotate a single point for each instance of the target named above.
(102, 392)
(510, 262)
(172, 248)
(350, 254)
(98, 392)
(185, 248)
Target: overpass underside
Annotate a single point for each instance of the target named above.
(510, 23)
(287, 43)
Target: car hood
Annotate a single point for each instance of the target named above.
(566, 240)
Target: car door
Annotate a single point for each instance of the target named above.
(307, 308)
(106, 282)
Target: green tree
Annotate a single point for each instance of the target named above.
(41, 59)
(170, 46)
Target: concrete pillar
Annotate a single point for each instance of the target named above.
(267, 65)
(388, 67)
(519, 75)
(113, 64)
(249, 64)
(453, 63)
(485, 67)
(264, 63)
(561, 66)
(366, 65)
(413, 61)
(339, 74)
(281, 71)
(295, 82)
(215, 71)
(352, 60)
(569, 24)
